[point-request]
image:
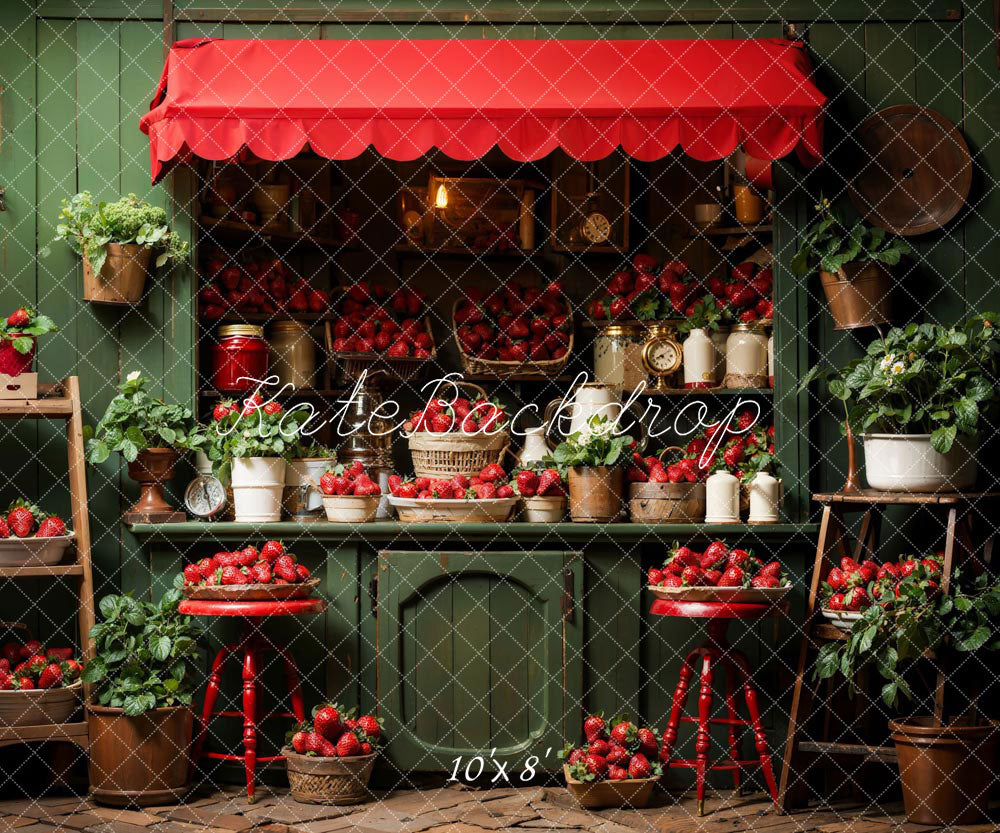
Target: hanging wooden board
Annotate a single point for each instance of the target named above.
(915, 172)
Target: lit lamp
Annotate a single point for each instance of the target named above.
(441, 197)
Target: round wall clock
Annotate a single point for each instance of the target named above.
(595, 228)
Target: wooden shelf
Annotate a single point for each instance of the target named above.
(510, 254)
(885, 754)
(36, 572)
(268, 318)
(873, 497)
(731, 231)
(304, 393)
(52, 402)
(274, 233)
(712, 392)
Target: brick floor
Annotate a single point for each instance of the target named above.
(451, 809)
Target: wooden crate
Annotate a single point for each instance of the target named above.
(24, 386)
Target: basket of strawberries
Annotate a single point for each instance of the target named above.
(30, 537)
(330, 760)
(249, 574)
(615, 768)
(718, 574)
(350, 496)
(513, 331)
(18, 336)
(484, 498)
(663, 493)
(38, 685)
(543, 494)
(458, 437)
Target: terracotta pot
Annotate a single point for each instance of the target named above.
(122, 279)
(858, 295)
(140, 760)
(151, 469)
(946, 771)
(595, 493)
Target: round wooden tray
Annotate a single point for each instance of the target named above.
(720, 594)
(252, 592)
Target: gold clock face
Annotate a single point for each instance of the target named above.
(596, 228)
(662, 356)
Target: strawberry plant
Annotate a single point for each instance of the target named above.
(256, 430)
(595, 447)
(147, 655)
(17, 339)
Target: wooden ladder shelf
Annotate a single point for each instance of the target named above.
(60, 401)
(831, 546)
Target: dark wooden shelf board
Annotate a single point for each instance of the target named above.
(731, 231)
(51, 402)
(510, 254)
(37, 572)
(873, 497)
(885, 754)
(73, 732)
(272, 233)
(303, 393)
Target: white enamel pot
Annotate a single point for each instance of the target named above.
(908, 463)
(257, 486)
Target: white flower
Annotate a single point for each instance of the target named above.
(886, 363)
(898, 368)
(135, 374)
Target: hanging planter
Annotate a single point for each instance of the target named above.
(116, 241)
(857, 294)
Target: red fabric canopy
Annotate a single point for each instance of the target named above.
(404, 97)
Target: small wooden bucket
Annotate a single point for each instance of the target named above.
(595, 493)
(328, 780)
(122, 279)
(667, 503)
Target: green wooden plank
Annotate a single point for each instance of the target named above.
(471, 673)
(509, 646)
(342, 592)
(890, 78)
(429, 640)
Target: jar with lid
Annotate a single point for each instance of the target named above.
(293, 354)
(746, 356)
(699, 360)
(239, 358)
(765, 498)
(722, 498)
(618, 356)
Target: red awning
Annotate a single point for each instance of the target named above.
(405, 97)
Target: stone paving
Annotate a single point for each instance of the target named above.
(450, 809)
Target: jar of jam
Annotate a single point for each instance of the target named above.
(239, 357)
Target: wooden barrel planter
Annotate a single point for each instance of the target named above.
(328, 780)
(858, 294)
(143, 760)
(595, 493)
(122, 279)
(667, 503)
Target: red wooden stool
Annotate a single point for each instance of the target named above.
(252, 646)
(715, 650)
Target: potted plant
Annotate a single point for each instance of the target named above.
(144, 675)
(704, 363)
(249, 448)
(946, 766)
(852, 267)
(595, 460)
(18, 333)
(917, 395)
(150, 434)
(116, 241)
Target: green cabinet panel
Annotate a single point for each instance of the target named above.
(475, 652)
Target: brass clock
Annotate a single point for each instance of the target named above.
(595, 228)
(662, 356)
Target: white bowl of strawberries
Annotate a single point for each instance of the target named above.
(31, 538)
(38, 686)
(249, 574)
(485, 498)
(718, 574)
(543, 495)
(350, 496)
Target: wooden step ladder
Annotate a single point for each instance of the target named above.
(60, 401)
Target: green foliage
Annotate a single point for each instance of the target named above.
(922, 379)
(595, 447)
(135, 421)
(705, 316)
(23, 338)
(257, 434)
(828, 244)
(920, 619)
(147, 655)
(88, 227)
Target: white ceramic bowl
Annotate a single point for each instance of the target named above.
(350, 509)
(33, 552)
(907, 463)
(843, 619)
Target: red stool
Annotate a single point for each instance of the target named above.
(252, 647)
(716, 651)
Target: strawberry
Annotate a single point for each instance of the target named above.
(369, 725)
(505, 491)
(327, 723)
(29, 649)
(634, 474)
(51, 676)
(886, 570)
(836, 601)
(407, 490)
(328, 483)
(348, 746)
(11, 652)
(327, 749)
(299, 742)
(672, 581)
(647, 742)
(248, 556)
(51, 527)
(654, 576)
(71, 669)
(19, 318)
(594, 727)
(617, 755)
(314, 742)
(6, 681)
(639, 767)
(737, 558)
(617, 773)
(527, 483)
(272, 409)
(693, 576)
(485, 491)
(364, 486)
(575, 756)
(394, 482)
(192, 575)
(685, 557)
(712, 577)
(4, 528)
(35, 664)
(599, 747)
(732, 577)
(271, 550)
(625, 734)
(302, 571)
(547, 481)
(596, 765)
(772, 569)
(836, 579)
(21, 518)
(765, 581)
(260, 573)
(711, 561)
(366, 748)
(856, 599)
(441, 423)
(284, 568)
(234, 575)
(23, 683)
(492, 473)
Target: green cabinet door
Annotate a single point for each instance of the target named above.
(478, 652)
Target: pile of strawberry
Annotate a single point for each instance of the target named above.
(250, 405)
(336, 733)
(269, 565)
(490, 484)
(372, 318)
(653, 470)
(540, 483)
(31, 666)
(717, 566)
(642, 294)
(515, 323)
(624, 752)
(747, 296)
(352, 480)
(25, 520)
(480, 416)
(856, 587)
(256, 286)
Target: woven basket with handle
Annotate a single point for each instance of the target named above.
(328, 780)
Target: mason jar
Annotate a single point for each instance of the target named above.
(618, 356)
(746, 356)
(293, 354)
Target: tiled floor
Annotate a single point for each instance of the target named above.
(447, 810)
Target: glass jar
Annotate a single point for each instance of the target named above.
(239, 358)
(618, 356)
(293, 354)
(746, 356)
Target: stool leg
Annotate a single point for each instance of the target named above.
(760, 736)
(734, 739)
(680, 698)
(294, 689)
(702, 740)
(249, 717)
(211, 696)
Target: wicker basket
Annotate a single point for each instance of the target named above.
(350, 366)
(39, 706)
(474, 365)
(328, 780)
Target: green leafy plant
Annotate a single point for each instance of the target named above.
(922, 379)
(88, 227)
(595, 447)
(21, 328)
(135, 421)
(254, 431)
(706, 315)
(828, 244)
(147, 655)
(305, 450)
(918, 618)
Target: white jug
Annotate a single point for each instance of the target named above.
(535, 447)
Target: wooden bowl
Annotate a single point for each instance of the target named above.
(348, 509)
(314, 780)
(720, 594)
(252, 592)
(39, 706)
(34, 552)
(632, 792)
(459, 511)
